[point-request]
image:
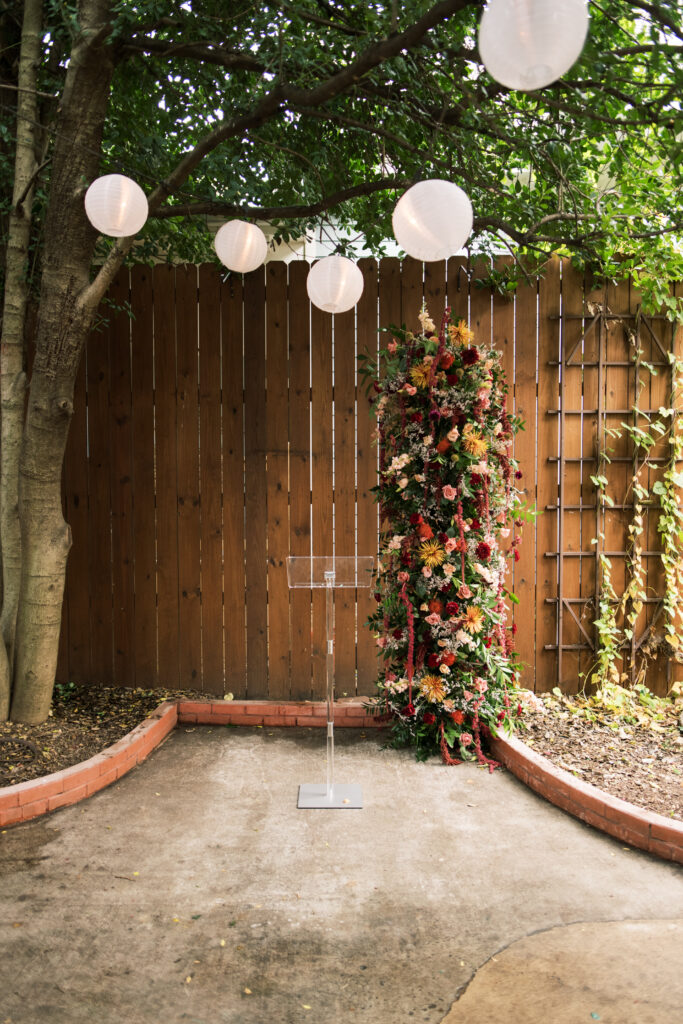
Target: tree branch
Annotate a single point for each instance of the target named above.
(275, 212)
(207, 53)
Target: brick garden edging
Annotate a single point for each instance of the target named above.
(652, 832)
(620, 819)
(27, 800)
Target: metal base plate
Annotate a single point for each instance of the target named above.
(314, 794)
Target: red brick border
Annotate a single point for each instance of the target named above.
(28, 799)
(652, 832)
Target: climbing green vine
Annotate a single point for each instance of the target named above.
(617, 616)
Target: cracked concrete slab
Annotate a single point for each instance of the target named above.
(194, 890)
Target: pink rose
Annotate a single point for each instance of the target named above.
(403, 577)
(426, 572)
(450, 544)
(480, 685)
(409, 389)
(392, 346)
(433, 619)
(464, 592)
(449, 492)
(465, 739)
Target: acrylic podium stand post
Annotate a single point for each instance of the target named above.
(330, 573)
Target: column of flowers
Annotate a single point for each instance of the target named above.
(448, 501)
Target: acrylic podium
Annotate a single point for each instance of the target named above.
(330, 573)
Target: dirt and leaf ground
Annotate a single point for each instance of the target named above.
(628, 743)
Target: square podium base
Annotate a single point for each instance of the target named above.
(314, 794)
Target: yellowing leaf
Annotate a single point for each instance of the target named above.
(247, 991)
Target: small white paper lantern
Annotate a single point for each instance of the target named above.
(116, 205)
(241, 246)
(334, 284)
(432, 220)
(527, 44)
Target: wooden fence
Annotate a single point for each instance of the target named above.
(221, 428)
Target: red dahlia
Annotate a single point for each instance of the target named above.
(483, 551)
(470, 356)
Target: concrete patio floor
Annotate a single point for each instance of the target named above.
(194, 891)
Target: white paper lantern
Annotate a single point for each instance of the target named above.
(242, 247)
(527, 44)
(432, 220)
(334, 284)
(116, 205)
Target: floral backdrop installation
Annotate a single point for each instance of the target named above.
(448, 501)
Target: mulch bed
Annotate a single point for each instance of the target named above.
(640, 761)
(82, 723)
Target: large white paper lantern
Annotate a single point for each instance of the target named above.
(334, 284)
(527, 44)
(241, 246)
(432, 220)
(116, 205)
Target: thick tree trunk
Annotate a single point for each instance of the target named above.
(64, 319)
(46, 540)
(12, 374)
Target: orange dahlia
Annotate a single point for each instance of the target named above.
(460, 333)
(432, 688)
(473, 620)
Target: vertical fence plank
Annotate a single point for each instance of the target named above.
(412, 295)
(121, 439)
(434, 290)
(210, 480)
(480, 305)
(571, 440)
(321, 479)
(677, 349)
(657, 394)
(234, 572)
(593, 399)
(78, 567)
(345, 495)
(526, 360)
(99, 491)
(189, 530)
(503, 340)
(144, 514)
(618, 395)
(458, 288)
(255, 478)
(166, 474)
(277, 445)
(547, 492)
(367, 341)
(300, 474)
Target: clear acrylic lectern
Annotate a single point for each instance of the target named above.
(331, 573)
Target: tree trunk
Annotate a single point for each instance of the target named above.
(46, 540)
(64, 319)
(12, 357)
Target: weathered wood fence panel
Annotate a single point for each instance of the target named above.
(221, 428)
